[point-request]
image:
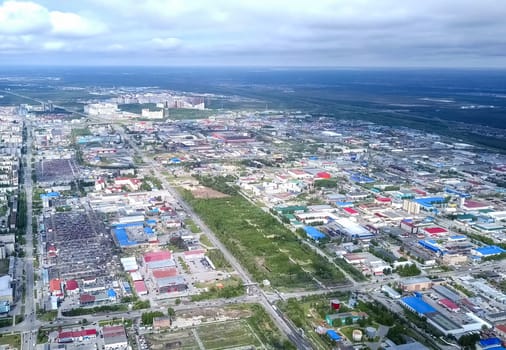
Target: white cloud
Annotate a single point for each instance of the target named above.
(321, 31)
(53, 45)
(71, 24)
(23, 17)
(167, 43)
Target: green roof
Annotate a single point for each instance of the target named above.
(290, 209)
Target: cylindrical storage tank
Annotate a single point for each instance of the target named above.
(371, 332)
(357, 335)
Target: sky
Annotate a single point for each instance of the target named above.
(317, 33)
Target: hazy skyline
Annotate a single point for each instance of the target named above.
(461, 33)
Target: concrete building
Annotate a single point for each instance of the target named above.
(5, 289)
(115, 338)
(415, 284)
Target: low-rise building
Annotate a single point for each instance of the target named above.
(415, 284)
(115, 338)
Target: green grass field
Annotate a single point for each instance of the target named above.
(267, 249)
(14, 340)
(226, 335)
(183, 339)
(254, 329)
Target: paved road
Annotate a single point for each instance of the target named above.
(30, 325)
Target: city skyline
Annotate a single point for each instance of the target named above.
(254, 33)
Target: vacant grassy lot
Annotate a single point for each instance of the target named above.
(267, 249)
(183, 339)
(14, 340)
(253, 328)
(228, 334)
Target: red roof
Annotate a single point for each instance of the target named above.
(55, 285)
(162, 273)
(420, 192)
(72, 285)
(383, 199)
(140, 287)
(157, 256)
(448, 304)
(77, 334)
(323, 175)
(350, 211)
(86, 298)
(475, 204)
(501, 327)
(435, 230)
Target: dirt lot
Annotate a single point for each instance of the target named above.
(206, 192)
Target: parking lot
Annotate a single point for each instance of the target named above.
(83, 248)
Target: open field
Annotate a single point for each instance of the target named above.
(207, 193)
(228, 335)
(13, 340)
(250, 326)
(267, 249)
(183, 339)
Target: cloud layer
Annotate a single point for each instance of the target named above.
(255, 32)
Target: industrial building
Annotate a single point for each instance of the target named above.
(115, 338)
(80, 335)
(6, 289)
(415, 284)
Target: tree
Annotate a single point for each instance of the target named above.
(171, 313)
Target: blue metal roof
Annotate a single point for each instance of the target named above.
(111, 293)
(458, 237)
(429, 244)
(122, 237)
(490, 342)
(490, 250)
(428, 201)
(417, 304)
(314, 233)
(50, 195)
(129, 224)
(332, 334)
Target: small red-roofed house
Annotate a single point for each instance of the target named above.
(435, 231)
(383, 200)
(350, 211)
(55, 287)
(72, 287)
(323, 175)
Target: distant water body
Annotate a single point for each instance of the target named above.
(471, 96)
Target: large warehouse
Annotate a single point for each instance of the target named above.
(417, 305)
(349, 228)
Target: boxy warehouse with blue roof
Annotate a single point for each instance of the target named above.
(431, 245)
(416, 304)
(313, 233)
(332, 334)
(427, 203)
(488, 251)
(121, 234)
